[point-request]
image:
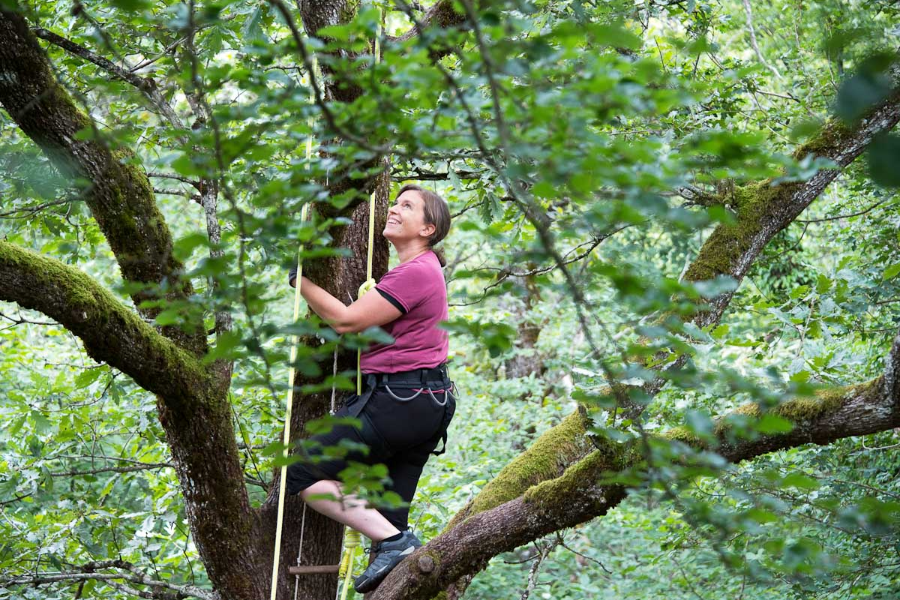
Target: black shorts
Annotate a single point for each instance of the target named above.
(401, 435)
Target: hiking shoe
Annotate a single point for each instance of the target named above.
(387, 556)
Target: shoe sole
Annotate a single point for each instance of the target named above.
(372, 582)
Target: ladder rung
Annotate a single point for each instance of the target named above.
(313, 569)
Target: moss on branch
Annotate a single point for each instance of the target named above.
(546, 459)
(110, 331)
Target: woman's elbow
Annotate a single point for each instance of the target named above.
(346, 327)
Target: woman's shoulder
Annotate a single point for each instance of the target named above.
(423, 270)
(425, 262)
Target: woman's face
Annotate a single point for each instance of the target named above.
(406, 219)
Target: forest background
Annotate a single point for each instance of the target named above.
(673, 289)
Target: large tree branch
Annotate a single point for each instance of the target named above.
(126, 572)
(191, 403)
(118, 193)
(111, 332)
(441, 15)
(548, 452)
(765, 209)
(577, 497)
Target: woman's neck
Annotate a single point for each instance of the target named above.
(410, 251)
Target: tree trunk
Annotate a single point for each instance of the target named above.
(341, 277)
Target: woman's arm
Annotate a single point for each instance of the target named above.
(369, 311)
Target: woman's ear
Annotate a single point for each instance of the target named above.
(427, 230)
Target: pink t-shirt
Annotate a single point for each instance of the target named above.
(417, 289)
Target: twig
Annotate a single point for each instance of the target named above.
(856, 214)
(132, 575)
(132, 469)
(21, 321)
(145, 85)
(13, 214)
(181, 178)
(533, 573)
(753, 40)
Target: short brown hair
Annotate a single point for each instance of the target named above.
(437, 213)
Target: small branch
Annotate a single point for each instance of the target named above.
(593, 243)
(31, 210)
(21, 320)
(856, 214)
(421, 175)
(104, 63)
(181, 178)
(697, 197)
(753, 40)
(145, 85)
(193, 197)
(150, 61)
(132, 575)
(584, 556)
(133, 469)
(533, 574)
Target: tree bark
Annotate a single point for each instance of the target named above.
(191, 398)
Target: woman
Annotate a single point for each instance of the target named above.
(407, 405)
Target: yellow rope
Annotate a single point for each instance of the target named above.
(352, 541)
(369, 283)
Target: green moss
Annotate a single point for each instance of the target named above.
(609, 457)
(824, 402)
(103, 323)
(720, 253)
(684, 435)
(545, 459)
(825, 141)
(349, 10)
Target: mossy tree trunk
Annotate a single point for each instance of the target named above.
(191, 398)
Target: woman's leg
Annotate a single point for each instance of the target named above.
(349, 510)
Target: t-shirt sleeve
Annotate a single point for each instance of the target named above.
(409, 284)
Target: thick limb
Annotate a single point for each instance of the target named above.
(349, 510)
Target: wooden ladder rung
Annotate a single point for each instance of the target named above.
(313, 569)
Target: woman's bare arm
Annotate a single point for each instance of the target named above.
(369, 311)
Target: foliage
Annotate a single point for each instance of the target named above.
(559, 132)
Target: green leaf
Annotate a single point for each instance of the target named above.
(773, 424)
(720, 332)
(884, 158)
(252, 29)
(490, 208)
(799, 292)
(131, 5)
(88, 376)
(801, 481)
(891, 272)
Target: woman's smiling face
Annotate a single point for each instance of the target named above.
(406, 219)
